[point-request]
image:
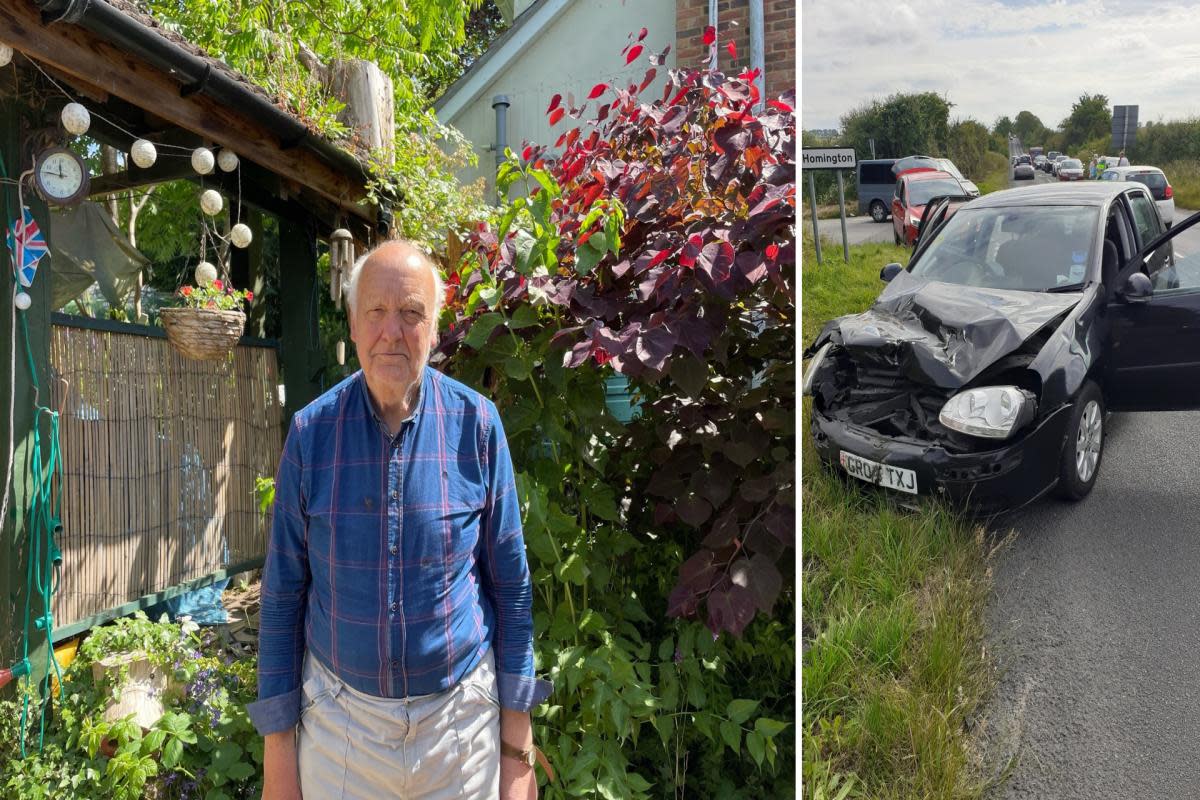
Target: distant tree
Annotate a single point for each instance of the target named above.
(968, 142)
(1003, 127)
(1029, 129)
(1090, 118)
(901, 125)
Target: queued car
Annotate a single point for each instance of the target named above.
(1155, 180)
(1039, 162)
(1024, 169)
(913, 191)
(1071, 169)
(983, 372)
(915, 164)
(948, 166)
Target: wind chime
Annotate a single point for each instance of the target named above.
(341, 260)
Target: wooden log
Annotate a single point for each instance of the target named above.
(370, 106)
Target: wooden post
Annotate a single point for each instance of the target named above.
(14, 550)
(368, 95)
(301, 354)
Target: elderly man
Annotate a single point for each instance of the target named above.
(396, 638)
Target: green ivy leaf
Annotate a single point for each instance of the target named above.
(731, 732)
(756, 746)
(482, 328)
(740, 710)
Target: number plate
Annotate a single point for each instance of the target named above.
(902, 480)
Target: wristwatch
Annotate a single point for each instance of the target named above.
(528, 757)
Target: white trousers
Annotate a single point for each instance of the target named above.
(432, 747)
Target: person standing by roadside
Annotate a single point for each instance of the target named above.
(1092, 167)
(1101, 165)
(1123, 162)
(396, 634)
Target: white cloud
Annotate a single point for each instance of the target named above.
(991, 58)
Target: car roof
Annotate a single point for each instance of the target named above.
(1066, 194)
(1127, 170)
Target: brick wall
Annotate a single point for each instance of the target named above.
(733, 18)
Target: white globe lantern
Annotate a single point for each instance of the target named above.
(202, 160)
(76, 119)
(211, 202)
(227, 160)
(23, 301)
(143, 153)
(6, 54)
(241, 235)
(205, 274)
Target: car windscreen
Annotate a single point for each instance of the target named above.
(1033, 248)
(1070, 163)
(921, 192)
(1156, 182)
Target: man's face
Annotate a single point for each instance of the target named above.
(391, 322)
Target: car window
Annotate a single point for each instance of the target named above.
(1145, 218)
(900, 191)
(877, 172)
(1033, 248)
(1110, 175)
(921, 192)
(1070, 163)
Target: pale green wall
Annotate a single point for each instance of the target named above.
(579, 49)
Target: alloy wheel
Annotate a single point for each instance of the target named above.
(1088, 440)
(878, 212)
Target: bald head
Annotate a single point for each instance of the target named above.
(395, 252)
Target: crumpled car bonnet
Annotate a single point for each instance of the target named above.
(940, 333)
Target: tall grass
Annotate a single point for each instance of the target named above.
(1184, 177)
(893, 659)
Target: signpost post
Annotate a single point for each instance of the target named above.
(836, 158)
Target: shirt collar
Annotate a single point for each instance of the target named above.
(413, 414)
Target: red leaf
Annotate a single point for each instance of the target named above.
(634, 52)
(601, 355)
(560, 140)
(732, 48)
(650, 73)
(688, 257)
(642, 34)
(710, 34)
(597, 90)
(554, 101)
(772, 251)
(780, 105)
(557, 115)
(527, 153)
(659, 257)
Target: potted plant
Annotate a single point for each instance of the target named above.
(208, 321)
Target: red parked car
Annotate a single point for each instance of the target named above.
(913, 191)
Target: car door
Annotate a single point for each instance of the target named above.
(898, 209)
(1154, 351)
(935, 212)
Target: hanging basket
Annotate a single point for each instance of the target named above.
(205, 334)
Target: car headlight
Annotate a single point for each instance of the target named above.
(993, 412)
(813, 366)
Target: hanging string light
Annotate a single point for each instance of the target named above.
(6, 54)
(143, 153)
(211, 202)
(205, 274)
(76, 119)
(202, 160)
(240, 235)
(227, 160)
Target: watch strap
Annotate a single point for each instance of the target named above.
(530, 757)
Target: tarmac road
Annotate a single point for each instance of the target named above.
(1095, 623)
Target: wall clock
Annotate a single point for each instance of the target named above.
(61, 176)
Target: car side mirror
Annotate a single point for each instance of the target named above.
(1137, 289)
(892, 270)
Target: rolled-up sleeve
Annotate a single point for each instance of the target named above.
(284, 595)
(507, 578)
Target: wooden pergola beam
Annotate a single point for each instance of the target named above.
(83, 56)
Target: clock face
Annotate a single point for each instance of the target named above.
(61, 176)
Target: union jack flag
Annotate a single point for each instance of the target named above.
(26, 246)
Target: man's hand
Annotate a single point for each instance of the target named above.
(281, 774)
(517, 781)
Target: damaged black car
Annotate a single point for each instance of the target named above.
(983, 372)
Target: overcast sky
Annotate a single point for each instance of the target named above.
(995, 58)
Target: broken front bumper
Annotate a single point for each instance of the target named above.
(986, 482)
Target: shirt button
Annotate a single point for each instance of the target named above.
(393, 494)
(395, 605)
(395, 663)
(392, 549)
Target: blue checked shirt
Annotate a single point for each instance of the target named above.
(397, 560)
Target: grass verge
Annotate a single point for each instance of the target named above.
(1184, 177)
(894, 666)
(998, 171)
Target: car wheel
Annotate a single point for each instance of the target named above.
(1083, 449)
(878, 212)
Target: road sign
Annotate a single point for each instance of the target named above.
(827, 158)
(1124, 126)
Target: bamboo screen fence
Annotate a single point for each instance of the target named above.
(160, 456)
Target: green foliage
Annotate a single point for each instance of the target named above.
(902, 125)
(966, 144)
(1003, 127)
(893, 603)
(1090, 118)
(203, 746)
(264, 493)
(1029, 129)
